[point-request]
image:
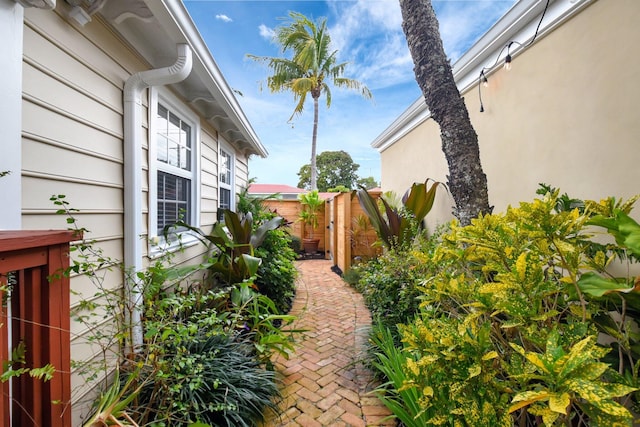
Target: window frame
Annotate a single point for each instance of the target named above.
(224, 147)
(157, 243)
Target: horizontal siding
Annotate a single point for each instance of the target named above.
(85, 288)
(208, 176)
(48, 126)
(85, 196)
(53, 93)
(102, 225)
(76, 166)
(51, 59)
(72, 144)
(94, 45)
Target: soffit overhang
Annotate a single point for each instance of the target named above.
(154, 28)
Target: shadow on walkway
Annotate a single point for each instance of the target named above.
(324, 383)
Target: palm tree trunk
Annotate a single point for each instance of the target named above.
(314, 171)
(467, 182)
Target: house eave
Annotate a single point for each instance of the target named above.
(154, 28)
(519, 23)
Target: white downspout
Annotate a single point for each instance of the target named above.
(133, 89)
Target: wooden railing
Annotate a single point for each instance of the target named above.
(36, 313)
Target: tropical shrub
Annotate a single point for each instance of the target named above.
(390, 283)
(205, 354)
(295, 244)
(512, 318)
(277, 272)
(209, 378)
(231, 245)
(397, 227)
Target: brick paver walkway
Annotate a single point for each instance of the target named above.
(324, 383)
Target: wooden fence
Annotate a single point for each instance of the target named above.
(345, 232)
(36, 313)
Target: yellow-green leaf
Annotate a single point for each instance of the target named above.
(559, 402)
(427, 391)
(618, 390)
(612, 408)
(526, 398)
(536, 360)
(521, 266)
(578, 355)
(490, 355)
(474, 371)
(548, 416)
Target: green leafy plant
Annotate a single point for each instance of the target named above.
(558, 379)
(235, 241)
(397, 227)
(391, 283)
(510, 308)
(310, 212)
(391, 361)
(277, 273)
(205, 344)
(16, 366)
(253, 204)
(112, 403)
(209, 378)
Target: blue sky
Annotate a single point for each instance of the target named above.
(367, 34)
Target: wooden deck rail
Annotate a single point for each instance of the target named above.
(37, 314)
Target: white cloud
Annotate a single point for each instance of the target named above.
(223, 18)
(266, 32)
(368, 34)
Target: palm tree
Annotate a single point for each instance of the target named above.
(310, 70)
(467, 181)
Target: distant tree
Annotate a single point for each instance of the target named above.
(467, 182)
(335, 168)
(368, 182)
(338, 189)
(308, 71)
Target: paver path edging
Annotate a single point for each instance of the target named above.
(324, 382)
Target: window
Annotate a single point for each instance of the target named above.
(173, 165)
(225, 180)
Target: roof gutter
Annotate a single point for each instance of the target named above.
(133, 88)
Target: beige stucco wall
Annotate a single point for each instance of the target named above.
(566, 115)
(72, 144)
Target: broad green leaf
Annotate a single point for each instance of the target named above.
(589, 371)
(419, 200)
(259, 235)
(593, 284)
(370, 207)
(597, 418)
(619, 390)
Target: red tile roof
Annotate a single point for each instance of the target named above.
(267, 189)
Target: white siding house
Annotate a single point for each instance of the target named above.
(128, 116)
